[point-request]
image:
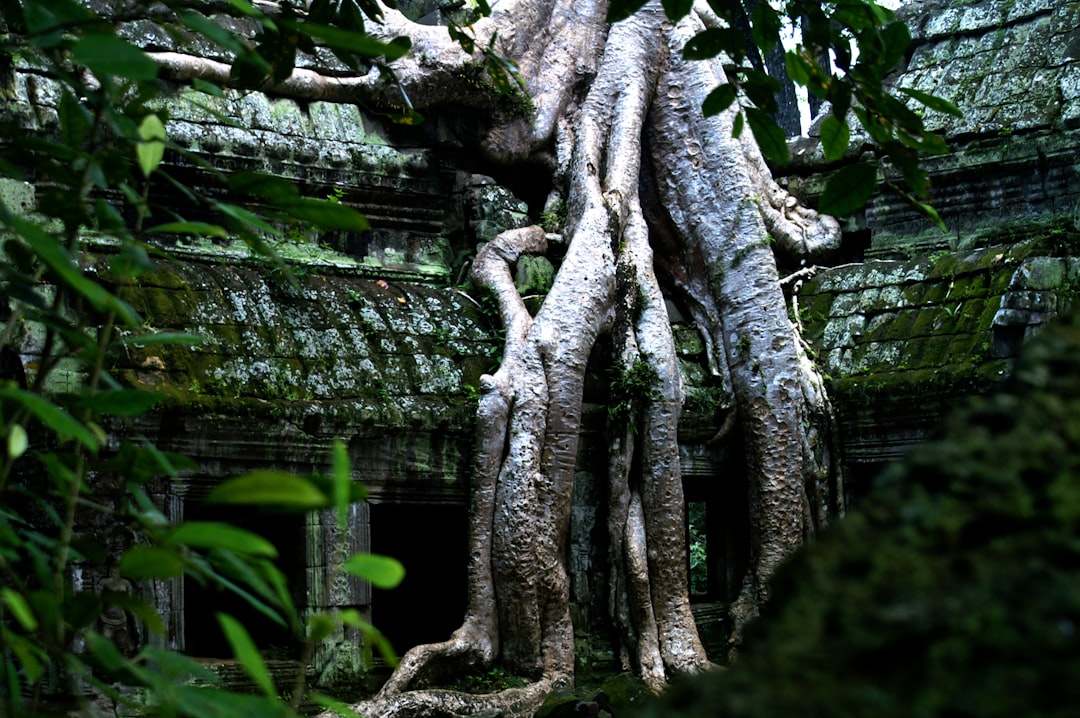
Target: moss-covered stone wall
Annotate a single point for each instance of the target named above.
(924, 316)
(902, 341)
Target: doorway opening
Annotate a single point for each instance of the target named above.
(431, 541)
(202, 633)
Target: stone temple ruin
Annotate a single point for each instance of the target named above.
(378, 345)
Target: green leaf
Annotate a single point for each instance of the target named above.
(932, 215)
(249, 69)
(199, 229)
(677, 9)
(82, 609)
(32, 658)
(332, 704)
(737, 125)
(468, 44)
(770, 138)
(718, 100)
(326, 214)
(320, 627)
(622, 9)
(869, 122)
(855, 15)
(54, 254)
(765, 28)
(761, 88)
(940, 104)
(351, 617)
(218, 535)
(929, 142)
(105, 651)
(74, 120)
(246, 8)
(246, 653)
(151, 562)
(211, 30)
(109, 219)
(52, 416)
(221, 703)
(172, 667)
(19, 608)
(896, 39)
(17, 442)
(273, 488)
(848, 189)
(42, 17)
(381, 571)
(834, 137)
(900, 114)
(244, 217)
(109, 55)
(915, 176)
(342, 481)
(137, 607)
(713, 41)
(236, 574)
(151, 149)
(798, 69)
(208, 88)
(260, 184)
(358, 43)
(120, 402)
(145, 340)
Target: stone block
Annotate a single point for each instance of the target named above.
(843, 331)
(688, 341)
(16, 195)
(850, 303)
(337, 122)
(1030, 301)
(1039, 273)
(969, 316)
(892, 297)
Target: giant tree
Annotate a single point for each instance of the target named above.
(640, 123)
(617, 111)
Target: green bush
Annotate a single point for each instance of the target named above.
(953, 590)
(71, 499)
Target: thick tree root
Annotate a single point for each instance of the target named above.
(439, 703)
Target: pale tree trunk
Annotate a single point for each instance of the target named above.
(721, 209)
(725, 214)
(711, 210)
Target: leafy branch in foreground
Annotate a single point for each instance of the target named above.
(73, 500)
(845, 52)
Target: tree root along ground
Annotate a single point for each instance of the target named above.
(640, 169)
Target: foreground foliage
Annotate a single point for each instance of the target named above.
(953, 590)
(74, 502)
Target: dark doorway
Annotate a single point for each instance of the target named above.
(717, 530)
(431, 541)
(202, 634)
